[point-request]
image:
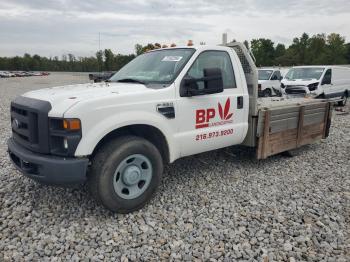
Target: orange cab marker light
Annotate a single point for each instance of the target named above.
(71, 124)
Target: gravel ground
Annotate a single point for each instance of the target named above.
(221, 205)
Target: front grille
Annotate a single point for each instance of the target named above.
(29, 121)
(295, 90)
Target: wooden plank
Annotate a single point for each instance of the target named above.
(314, 118)
(314, 111)
(327, 120)
(285, 124)
(300, 125)
(286, 110)
(265, 144)
(259, 148)
(312, 133)
(284, 116)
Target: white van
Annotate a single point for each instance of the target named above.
(321, 81)
(269, 82)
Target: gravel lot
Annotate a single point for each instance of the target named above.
(221, 205)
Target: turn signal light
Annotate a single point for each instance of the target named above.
(71, 124)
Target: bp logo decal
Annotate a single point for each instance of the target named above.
(206, 117)
(225, 114)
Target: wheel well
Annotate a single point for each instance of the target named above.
(150, 133)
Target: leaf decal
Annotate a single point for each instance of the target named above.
(229, 116)
(220, 111)
(227, 107)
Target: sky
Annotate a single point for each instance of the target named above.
(51, 28)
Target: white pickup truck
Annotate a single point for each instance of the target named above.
(269, 82)
(163, 105)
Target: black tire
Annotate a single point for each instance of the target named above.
(267, 93)
(108, 159)
(344, 100)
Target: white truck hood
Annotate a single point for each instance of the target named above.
(62, 98)
(299, 82)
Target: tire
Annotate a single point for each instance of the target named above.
(125, 174)
(344, 100)
(267, 93)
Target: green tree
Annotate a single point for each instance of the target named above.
(336, 49)
(347, 56)
(316, 54)
(99, 57)
(263, 51)
(138, 49)
(109, 59)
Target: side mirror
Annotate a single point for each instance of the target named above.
(212, 83)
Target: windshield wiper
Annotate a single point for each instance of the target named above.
(130, 80)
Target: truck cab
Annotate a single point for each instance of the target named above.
(180, 101)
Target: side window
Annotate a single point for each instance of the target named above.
(214, 59)
(276, 75)
(327, 78)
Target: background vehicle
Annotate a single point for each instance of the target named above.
(163, 105)
(101, 76)
(269, 82)
(320, 81)
(5, 74)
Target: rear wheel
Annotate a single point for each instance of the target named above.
(344, 100)
(125, 173)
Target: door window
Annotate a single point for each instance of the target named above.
(327, 79)
(213, 59)
(276, 75)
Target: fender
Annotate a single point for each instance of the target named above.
(92, 135)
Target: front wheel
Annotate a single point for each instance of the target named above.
(344, 100)
(267, 93)
(125, 174)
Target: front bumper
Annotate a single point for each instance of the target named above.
(48, 168)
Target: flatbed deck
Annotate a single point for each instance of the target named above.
(288, 124)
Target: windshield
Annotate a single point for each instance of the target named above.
(157, 67)
(305, 73)
(265, 74)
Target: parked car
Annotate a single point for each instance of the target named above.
(35, 73)
(4, 74)
(21, 74)
(319, 81)
(269, 81)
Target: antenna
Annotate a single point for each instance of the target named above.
(99, 50)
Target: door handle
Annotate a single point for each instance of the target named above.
(240, 102)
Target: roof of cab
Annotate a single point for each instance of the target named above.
(196, 47)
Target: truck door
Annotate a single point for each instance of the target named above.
(211, 121)
(276, 80)
(327, 83)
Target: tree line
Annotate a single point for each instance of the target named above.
(320, 49)
(305, 50)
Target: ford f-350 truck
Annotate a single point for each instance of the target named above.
(163, 105)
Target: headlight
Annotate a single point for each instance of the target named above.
(65, 135)
(313, 86)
